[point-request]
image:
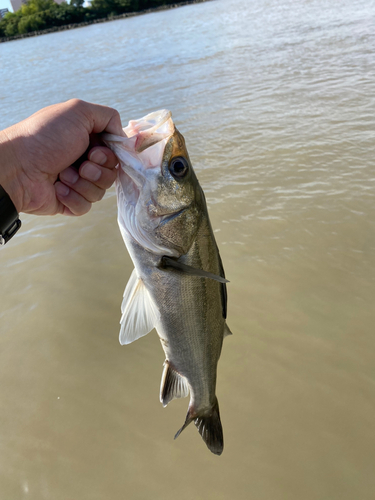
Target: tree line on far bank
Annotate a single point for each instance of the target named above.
(38, 15)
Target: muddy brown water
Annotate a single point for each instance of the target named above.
(276, 103)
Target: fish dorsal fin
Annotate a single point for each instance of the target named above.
(173, 385)
(223, 291)
(227, 331)
(139, 313)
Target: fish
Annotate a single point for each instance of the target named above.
(178, 284)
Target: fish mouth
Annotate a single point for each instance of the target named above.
(141, 134)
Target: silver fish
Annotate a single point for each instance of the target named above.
(178, 285)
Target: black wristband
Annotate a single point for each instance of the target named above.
(9, 221)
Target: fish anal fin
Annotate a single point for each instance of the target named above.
(209, 427)
(173, 385)
(139, 313)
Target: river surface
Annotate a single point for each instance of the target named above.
(276, 102)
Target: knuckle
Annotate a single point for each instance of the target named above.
(75, 103)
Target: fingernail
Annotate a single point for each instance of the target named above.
(69, 175)
(98, 157)
(90, 172)
(62, 189)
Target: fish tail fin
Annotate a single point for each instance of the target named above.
(209, 427)
(188, 421)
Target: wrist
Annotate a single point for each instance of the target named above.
(10, 171)
(9, 220)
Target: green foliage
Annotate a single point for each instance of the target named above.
(42, 14)
(34, 6)
(32, 22)
(9, 25)
(112, 7)
(67, 14)
(77, 3)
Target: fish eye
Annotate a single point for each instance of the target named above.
(179, 167)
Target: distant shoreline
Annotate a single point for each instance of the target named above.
(96, 21)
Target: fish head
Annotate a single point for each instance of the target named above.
(160, 201)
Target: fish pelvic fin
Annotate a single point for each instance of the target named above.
(209, 427)
(139, 313)
(173, 385)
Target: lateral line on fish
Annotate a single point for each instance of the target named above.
(168, 263)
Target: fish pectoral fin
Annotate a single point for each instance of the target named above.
(227, 330)
(139, 312)
(168, 263)
(173, 385)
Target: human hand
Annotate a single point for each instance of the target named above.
(37, 154)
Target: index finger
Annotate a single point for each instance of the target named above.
(104, 119)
